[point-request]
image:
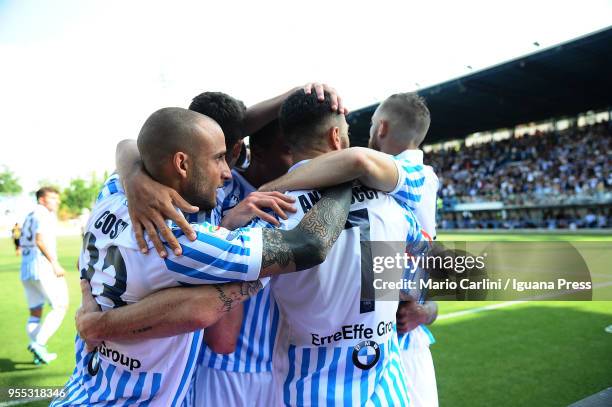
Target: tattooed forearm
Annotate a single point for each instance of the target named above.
(225, 300)
(275, 249)
(231, 295)
(141, 330)
(307, 244)
(321, 226)
(250, 288)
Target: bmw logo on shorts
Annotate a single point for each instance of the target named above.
(366, 355)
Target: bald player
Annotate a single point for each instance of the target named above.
(153, 364)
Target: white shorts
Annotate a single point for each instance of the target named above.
(420, 373)
(49, 288)
(214, 387)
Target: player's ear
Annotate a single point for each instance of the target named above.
(236, 149)
(383, 128)
(180, 162)
(333, 139)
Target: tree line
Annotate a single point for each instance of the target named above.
(78, 195)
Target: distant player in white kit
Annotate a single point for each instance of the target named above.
(41, 274)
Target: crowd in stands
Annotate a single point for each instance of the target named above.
(553, 180)
(549, 218)
(566, 166)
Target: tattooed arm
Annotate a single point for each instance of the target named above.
(184, 309)
(307, 244)
(165, 313)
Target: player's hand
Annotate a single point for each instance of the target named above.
(149, 204)
(410, 314)
(87, 316)
(254, 204)
(58, 269)
(320, 89)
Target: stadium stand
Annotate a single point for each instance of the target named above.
(557, 177)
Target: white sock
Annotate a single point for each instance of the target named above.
(32, 327)
(52, 322)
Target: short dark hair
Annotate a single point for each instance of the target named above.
(46, 190)
(303, 118)
(408, 115)
(227, 111)
(266, 136)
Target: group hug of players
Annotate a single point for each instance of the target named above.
(254, 297)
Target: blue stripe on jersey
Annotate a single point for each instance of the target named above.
(432, 340)
(191, 359)
(251, 336)
(263, 335)
(331, 379)
(112, 186)
(205, 258)
(299, 385)
(275, 317)
(123, 379)
(223, 244)
(194, 273)
(154, 389)
(137, 392)
(412, 168)
(314, 392)
(402, 196)
(404, 340)
(289, 379)
(348, 380)
(109, 375)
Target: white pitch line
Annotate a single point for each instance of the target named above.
(509, 303)
(18, 402)
(478, 309)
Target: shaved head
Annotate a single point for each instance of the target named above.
(181, 148)
(170, 130)
(407, 119)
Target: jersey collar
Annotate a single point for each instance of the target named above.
(298, 164)
(415, 156)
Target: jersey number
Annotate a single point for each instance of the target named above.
(361, 219)
(113, 258)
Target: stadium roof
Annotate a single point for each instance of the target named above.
(562, 80)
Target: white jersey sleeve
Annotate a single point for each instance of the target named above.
(217, 255)
(410, 181)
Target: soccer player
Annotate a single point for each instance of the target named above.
(159, 370)
(399, 126)
(247, 372)
(16, 235)
(41, 274)
(244, 377)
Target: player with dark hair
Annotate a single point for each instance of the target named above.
(229, 113)
(319, 361)
(16, 235)
(153, 362)
(41, 274)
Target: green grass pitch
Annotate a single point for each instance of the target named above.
(528, 354)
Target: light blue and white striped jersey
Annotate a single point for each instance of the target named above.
(39, 221)
(256, 340)
(155, 371)
(333, 348)
(425, 212)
